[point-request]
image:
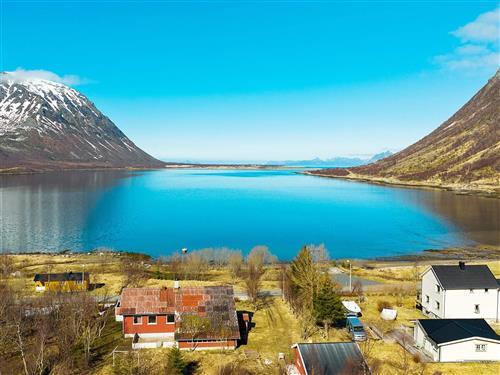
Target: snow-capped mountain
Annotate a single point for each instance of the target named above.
(44, 124)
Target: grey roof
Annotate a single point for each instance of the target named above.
(470, 277)
(64, 276)
(445, 330)
(332, 358)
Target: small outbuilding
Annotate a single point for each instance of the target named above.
(62, 282)
(328, 358)
(457, 340)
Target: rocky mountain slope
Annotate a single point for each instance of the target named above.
(462, 153)
(47, 125)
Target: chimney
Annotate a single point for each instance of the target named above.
(461, 265)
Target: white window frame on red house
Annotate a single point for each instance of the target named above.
(166, 318)
(139, 320)
(156, 320)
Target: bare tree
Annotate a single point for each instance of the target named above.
(134, 272)
(259, 256)
(319, 252)
(193, 325)
(6, 265)
(194, 265)
(357, 290)
(235, 262)
(253, 283)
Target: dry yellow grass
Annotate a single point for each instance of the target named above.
(275, 327)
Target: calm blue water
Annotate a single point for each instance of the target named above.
(159, 212)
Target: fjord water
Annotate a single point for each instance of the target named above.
(160, 212)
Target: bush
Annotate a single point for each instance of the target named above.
(383, 304)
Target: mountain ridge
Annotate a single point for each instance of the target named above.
(463, 153)
(47, 125)
(338, 161)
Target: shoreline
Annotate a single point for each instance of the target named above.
(481, 192)
(27, 171)
(474, 253)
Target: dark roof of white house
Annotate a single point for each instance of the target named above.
(332, 358)
(446, 330)
(464, 276)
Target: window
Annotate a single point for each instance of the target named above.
(476, 309)
(437, 305)
(486, 290)
(471, 290)
(480, 347)
(427, 299)
(137, 319)
(152, 319)
(170, 318)
(438, 288)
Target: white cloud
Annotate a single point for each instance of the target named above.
(483, 61)
(478, 49)
(484, 28)
(21, 74)
(472, 49)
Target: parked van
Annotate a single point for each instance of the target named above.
(355, 328)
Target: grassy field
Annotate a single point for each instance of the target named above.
(274, 329)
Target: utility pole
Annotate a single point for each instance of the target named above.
(350, 275)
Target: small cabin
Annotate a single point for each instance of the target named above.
(62, 282)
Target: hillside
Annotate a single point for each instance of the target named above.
(47, 125)
(462, 153)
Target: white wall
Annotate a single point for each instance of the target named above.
(429, 283)
(424, 343)
(460, 304)
(466, 351)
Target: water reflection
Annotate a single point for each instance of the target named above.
(48, 211)
(477, 218)
(160, 211)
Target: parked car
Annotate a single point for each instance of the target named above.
(355, 328)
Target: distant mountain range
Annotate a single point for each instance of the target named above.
(332, 162)
(47, 125)
(462, 153)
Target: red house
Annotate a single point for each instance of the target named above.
(189, 317)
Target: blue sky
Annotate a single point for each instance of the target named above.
(261, 80)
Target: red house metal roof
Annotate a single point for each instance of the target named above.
(216, 303)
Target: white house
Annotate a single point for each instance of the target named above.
(460, 291)
(457, 340)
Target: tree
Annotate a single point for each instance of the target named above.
(194, 265)
(134, 272)
(304, 278)
(176, 364)
(319, 253)
(357, 290)
(327, 307)
(193, 325)
(253, 278)
(235, 262)
(6, 265)
(259, 256)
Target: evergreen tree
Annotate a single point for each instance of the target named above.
(304, 277)
(327, 307)
(175, 362)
